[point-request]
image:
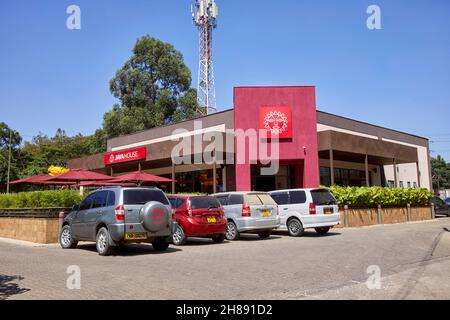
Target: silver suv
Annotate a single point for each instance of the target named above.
(252, 212)
(114, 216)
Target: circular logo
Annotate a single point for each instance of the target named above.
(111, 158)
(276, 121)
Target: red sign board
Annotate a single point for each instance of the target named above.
(125, 156)
(277, 121)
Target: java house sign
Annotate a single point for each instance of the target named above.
(125, 156)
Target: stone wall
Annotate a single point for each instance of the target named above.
(38, 230)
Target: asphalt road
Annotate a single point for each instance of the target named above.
(413, 260)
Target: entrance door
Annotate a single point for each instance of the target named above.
(267, 183)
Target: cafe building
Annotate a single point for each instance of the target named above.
(313, 147)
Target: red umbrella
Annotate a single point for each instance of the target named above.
(39, 179)
(78, 175)
(106, 184)
(140, 178)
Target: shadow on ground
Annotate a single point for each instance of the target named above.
(310, 234)
(131, 249)
(9, 287)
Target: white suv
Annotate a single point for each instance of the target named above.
(301, 209)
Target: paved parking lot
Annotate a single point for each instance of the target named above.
(414, 260)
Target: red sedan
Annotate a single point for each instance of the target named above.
(198, 216)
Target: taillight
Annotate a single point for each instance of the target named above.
(189, 209)
(312, 208)
(120, 213)
(246, 210)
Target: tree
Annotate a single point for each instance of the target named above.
(153, 88)
(441, 169)
(8, 137)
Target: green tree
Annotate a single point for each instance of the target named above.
(9, 137)
(441, 170)
(153, 88)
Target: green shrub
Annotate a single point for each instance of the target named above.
(41, 199)
(364, 197)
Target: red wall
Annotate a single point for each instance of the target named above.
(302, 100)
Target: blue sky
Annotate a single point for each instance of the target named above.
(398, 77)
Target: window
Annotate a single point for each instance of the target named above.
(100, 199)
(402, 185)
(223, 200)
(142, 196)
(415, 184)
(391, 183)
(173, 202)
(325, 177)
(204, 203)
(281, 198)
(266, 199)
(297, 197)
(236, 199)
(253, 200)
(111, 199)
(409, 184)
(87, 203)
(322, 197)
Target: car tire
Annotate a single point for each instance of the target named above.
(219, 239)
(323, 230)
(232, 231)
(65, 238)
(295, 228)
(104, 248)
(265, 234)
(161, 244)
(179, 236)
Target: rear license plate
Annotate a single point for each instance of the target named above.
(211, 219)
(328, 211)
(266, 213)
(135, 236)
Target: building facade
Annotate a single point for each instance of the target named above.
(234, 149)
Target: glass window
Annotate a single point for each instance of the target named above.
(415, 184)
(111, 199)
(100, 199)
(142, 196)
(236, 199)
(325, 178)
(402, 184)
(409, 184)
(87, 203)
(253, 200)
(297, 197)
(180, 202)
(204, 203)
(223, 200)
(323, 197)
(173, 202)
(281, 198)
(266, 199)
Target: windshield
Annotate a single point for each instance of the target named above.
(204, 203)
(323, 197)
(142, 196)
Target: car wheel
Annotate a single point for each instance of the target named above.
(65, 238)
(295, 228)
(179, 237)
(104, 248)
(323, 230)
(265, 234)
(232, 231)
(160, 244)
(219, 239)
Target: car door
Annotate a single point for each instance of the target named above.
(79, 220)
(93, 215)
(282, 199)
(297, 203)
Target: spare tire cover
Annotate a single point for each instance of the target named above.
(154, 216)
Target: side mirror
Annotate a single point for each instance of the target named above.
(76, 207)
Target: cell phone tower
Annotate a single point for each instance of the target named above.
(204, 14)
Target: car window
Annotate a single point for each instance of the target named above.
(173, 202)
(223, 200)
(204, 203)
(87, 203)
(236, 199)
(111, 202)
(323, 197)
(281, 198)
(180, 202)
(142, 196)
(100, 199)
(266, 199)
(253, 200)
(297, 197)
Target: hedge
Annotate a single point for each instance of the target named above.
(41, 199)
(371, 197)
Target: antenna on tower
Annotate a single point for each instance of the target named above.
(204, 15)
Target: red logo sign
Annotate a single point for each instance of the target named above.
(277, 121)
(125, 156)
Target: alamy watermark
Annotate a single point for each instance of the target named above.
(73, 281)
(73, 21)
(374, 19)
(374, 280)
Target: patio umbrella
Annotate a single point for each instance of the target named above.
(41, 179)
(106, 184)
(80, 175)
(140, 178)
